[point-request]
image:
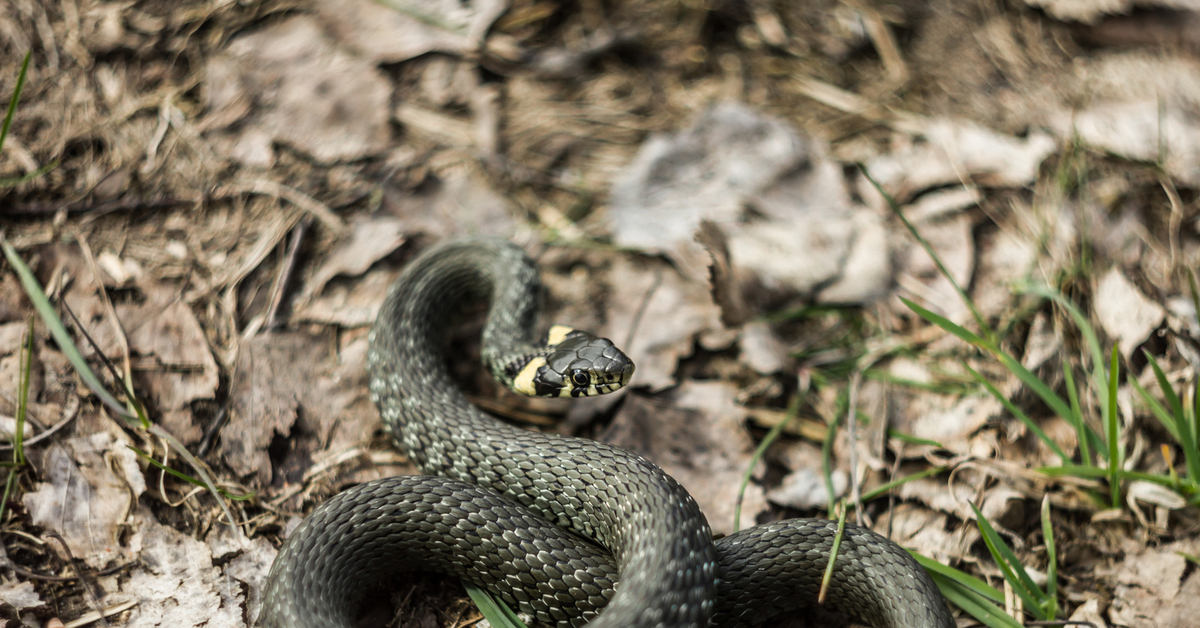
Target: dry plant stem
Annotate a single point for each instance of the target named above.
(849, 102)
(317, 209)
(637, 318)
(93, 616)
(886, 46)
(1168, 186)
(69, 413)
(283, 280)
(109, 310)
(88, 586)
(852, 436)
(213, 430)
(95, 210)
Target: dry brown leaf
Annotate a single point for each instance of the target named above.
(950, 151)
(459, 203)
(1152, 590)
(1004, 259)
(177, 585)
(951, 240)
(20, 595)
(302, 388)
(926, 532)
(351, 304)
(371, 239)
(287, 83)
(1091, 11)
(761, 349)
(805, 227)
(660, 313)
(1124, 312)
(84, 500)
(397, 30)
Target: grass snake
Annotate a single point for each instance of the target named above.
(569, 530)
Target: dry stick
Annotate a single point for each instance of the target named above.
(637, 317)
(88, 588)
(1168, 186)
(33, 575)
(70, 412)
(852, 436)
(283, 279)
(305, 202)
(82, 206)
(214, 429)
(118, 331)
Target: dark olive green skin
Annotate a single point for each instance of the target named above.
(568, 530)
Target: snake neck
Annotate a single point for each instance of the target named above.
(407, 364)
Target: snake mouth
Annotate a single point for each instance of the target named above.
(612, 378)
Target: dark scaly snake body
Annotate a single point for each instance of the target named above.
(515, 509)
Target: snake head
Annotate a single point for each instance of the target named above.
(576, 364)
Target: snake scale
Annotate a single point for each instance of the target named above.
(568, 530)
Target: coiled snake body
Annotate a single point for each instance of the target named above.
(568, 530)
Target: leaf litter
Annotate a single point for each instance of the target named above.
(604, 141)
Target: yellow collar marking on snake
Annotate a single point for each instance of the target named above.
(557, 334)
(523, 383)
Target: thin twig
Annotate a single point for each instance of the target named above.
(118, 331)
(305, 202)
(210, 434)
(283, 280)
(71, 411)
(852, 436)
(87, 584)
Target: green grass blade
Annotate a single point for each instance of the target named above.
(1010, 565)
(45, 310)
(1014, 366)
(1020, 414)
(1158, 410)
(54, 324)
(913, 440)
(979, 320)
(1167, 390)
(827, 463)
(963, 579)
(1051, 559)
(833, 554)
(976, 597)
(948, 325)
(1081, 323)
(1178, 423)
(1114, 430)
(884, 488)
(498, 614)
(985, 612)
(1039, 388)
(1194, 423)
(9, 482)
(23, 395)
(1097, 473)
(183, 476)
(16, 97)
(1082, 431)
(777, 429)
(1074, 470)
(10, 182)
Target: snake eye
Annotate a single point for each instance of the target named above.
(579, 378)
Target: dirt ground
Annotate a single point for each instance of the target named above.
(220, 192)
